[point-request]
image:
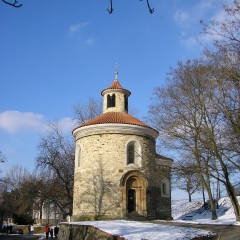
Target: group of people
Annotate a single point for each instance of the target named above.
(7, 228)
(51, 231)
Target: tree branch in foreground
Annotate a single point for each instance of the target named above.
(14, 4)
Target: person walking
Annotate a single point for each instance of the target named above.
(31, 230)
(56, 230)
(47, 230)
(51, 232)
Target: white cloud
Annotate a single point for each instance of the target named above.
(181, 17)
(189, 42)
(89, 41)
(67, 124)
(189, 16)
(188, 19)
(77, 27)
(77, 30)
(15, 121)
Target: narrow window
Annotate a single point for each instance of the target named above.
(79, 157)
(130, 153)
(126, 103)
(113, 100)
(108, 101)
(164, 188)
(134, 153)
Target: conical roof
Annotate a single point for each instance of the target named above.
(116, 86)
(115, 117)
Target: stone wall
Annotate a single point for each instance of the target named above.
(102, 165)
(84, 232)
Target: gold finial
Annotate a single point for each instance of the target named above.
(116, 72)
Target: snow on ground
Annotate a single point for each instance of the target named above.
(132, 230)
(183, 211)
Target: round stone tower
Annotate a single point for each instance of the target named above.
(117, 171)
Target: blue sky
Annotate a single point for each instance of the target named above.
(56, 54)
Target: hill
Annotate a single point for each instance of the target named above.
(197, 212)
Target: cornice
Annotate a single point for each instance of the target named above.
(114, 129)
(111, 90)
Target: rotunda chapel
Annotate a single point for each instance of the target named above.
(118, 174)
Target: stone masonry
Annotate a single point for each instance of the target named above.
(117, 171)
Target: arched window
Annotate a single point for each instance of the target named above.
(108, 101)
(165, 188)
(126, 103)
(133, 153)
(130, 153)
(111, 101)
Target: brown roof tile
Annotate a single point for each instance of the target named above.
(116, 85)
(115, 117)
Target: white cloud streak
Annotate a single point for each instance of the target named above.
(14, 122)
(89, 41)
(67, 124)
(77, 30)
(77, 27)
(188, 18)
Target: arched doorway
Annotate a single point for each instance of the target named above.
(134, 193)
(131, 202)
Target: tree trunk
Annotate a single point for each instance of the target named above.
(229, 186)
(233, 198)
(203, 194)
(41, 212)
(189, 197)
(205, 184)
(218, 191)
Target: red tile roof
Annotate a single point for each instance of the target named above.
(116, 85)
(115, 117)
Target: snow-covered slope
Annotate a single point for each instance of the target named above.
(132, 230)
(197, 212)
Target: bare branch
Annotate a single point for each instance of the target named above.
(110, 10)
(151, 10)
(14, 4)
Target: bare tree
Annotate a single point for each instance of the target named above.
(56, 155)
(2, 160)
(2, 157)
(188, 117)
(18, 194)
(86, 111)
(15, 176)
(186, 176)
(175, 113)
(225, 57)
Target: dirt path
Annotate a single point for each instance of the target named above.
(227, 232)
(18, 237)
